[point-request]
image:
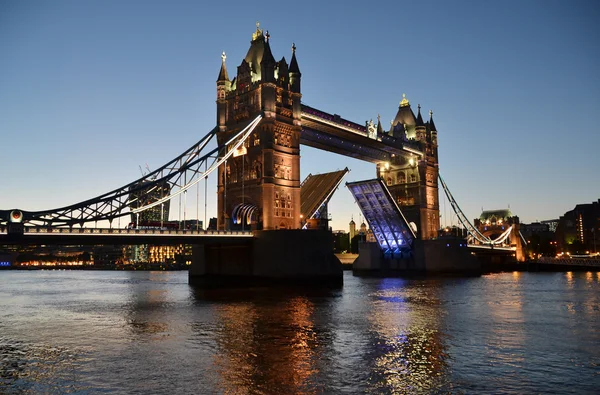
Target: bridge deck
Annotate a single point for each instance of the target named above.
(317, 189)
(91, 236)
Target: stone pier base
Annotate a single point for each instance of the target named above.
(271, 257)
(439, 256)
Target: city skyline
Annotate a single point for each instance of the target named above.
(89, 92)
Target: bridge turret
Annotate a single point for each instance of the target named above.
(268, 63)
(295, 73)
(223, 87)
(406, 117)
(432, 140)
(379, 127)
(420, 129)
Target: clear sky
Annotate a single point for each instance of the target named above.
(91, 90)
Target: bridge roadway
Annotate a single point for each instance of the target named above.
(98, 236)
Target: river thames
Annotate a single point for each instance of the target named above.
(99, 332)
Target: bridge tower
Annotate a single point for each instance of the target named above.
(413, 179)
(261, 182)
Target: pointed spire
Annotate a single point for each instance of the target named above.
(431, 124)
(379, 127)
(267, 63)
(267, 57)
(294, 63)
(419, 121)
(223, 72)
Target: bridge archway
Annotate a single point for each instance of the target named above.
(244, 215)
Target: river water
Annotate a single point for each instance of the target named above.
(94, 332)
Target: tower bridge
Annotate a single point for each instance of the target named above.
(405, 155)
(261, 123)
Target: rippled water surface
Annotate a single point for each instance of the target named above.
(89, 332)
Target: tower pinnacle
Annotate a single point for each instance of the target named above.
(223, 72)
(431, 124)
(258, 33)
(404, 102)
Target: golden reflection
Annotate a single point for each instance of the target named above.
(589, 277)
(570, 281)
(406, 321)
(505, 316)
(266, 348)
(146, 317)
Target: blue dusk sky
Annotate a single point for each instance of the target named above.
(91, 90)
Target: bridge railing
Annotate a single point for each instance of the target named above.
(595, 262)
(115, 231)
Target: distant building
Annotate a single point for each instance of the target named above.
(352, 230)
(212, 224)
(168, 254)
(363, 229)
(140, 197)
(578, 229)
(341, 241)
(370, 236)
(534, 228)
(552, 224)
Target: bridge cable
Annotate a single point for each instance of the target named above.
(471, 229)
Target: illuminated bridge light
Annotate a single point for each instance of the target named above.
(389, 226)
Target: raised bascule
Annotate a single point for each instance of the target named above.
(261, 124)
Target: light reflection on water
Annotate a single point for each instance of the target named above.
(150, 332)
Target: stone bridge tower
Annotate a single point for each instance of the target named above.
(413, 179)
(259, 187)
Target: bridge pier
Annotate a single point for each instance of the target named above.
(270, 258)
(439, 256)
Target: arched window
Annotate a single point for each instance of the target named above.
(401, 178)
(413, 178)
(389, 180)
